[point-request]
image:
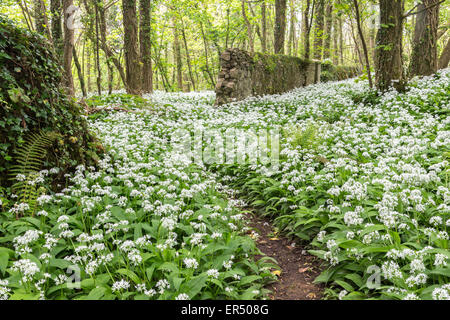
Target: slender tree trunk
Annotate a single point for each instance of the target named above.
(68, 48)
(341, 40)
(26, 14)
(445, 57)
(389, 60)
(280, 26)
(263, 27)
(307, 30)
(335, 41)
(319, 30)
(363, 41)
(188, 57)
(210, 77)
(88, 69)
(40, 17)
(179, 61)
(249, 27)
(132, 58)
(329, 26)
(104, 45)
(145, 38)
(80, 72)
(424, 60)
(291, 43)
(97, 47)
(57, 32)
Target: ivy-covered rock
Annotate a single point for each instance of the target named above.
(33, 100)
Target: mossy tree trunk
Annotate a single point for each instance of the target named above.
(68, 46)
(319, 30)
(424, 60)
(280, 26)
(132, 57)
(57, 32)
(145, 39)
(307, 18)
(263, 27)
(388, 55)
(445, 56)
(329, 26)
(40, 17)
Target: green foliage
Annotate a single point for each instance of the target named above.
(29, 159)
(126, 101)
(331, 72)
(306, 138)
(32, 99)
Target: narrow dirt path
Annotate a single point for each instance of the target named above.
(298, 268)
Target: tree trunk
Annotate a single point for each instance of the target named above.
(388, 55)
(57, 32)
(104, 45)
(292, 41)
(40, 17)
(445, 57)
(424, 60)
(79, 71)
(280, 26)
(97, 51)
(307, 30)
(188, 57)
(179, 61)
(145, 38)
(249, 27)
(341, 40)
(88, 68)
(264, 27)
(68, 48)
(329, 25)
(319, 30)
(132, 58)
(335, 41)
(210, 77)
(363, 41)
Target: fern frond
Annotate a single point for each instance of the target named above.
(29, 159)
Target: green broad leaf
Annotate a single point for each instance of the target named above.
(177, 282)
(355, 295)
(96, 293)
(88, 284)
(4, 258)
(169, 266)
(344, 285)
(196, 284)
(59, 263)
(130, 274)
(351, 244)
(248, 294)
(149, 272)
(249, 279)
(22, 295)
(318, 253)
(119, 213)
(441, 272)
(356, 279)
(55, 288)
(324, 277)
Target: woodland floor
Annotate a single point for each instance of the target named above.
(298, 268)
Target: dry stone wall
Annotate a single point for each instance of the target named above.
(243, 75)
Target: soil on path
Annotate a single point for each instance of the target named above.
(298, 268)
